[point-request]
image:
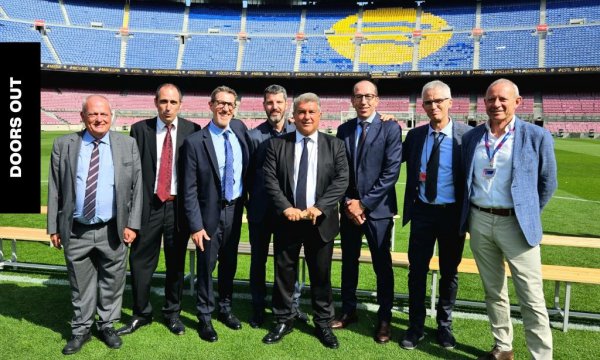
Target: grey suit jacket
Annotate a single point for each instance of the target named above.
(411, 154)
(533, 175)
(62, 179)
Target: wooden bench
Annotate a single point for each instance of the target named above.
(557, 273)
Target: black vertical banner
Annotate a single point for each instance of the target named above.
(20, 144)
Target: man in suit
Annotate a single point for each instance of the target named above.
(260, 212)
(215, 160)
(374, 152)
(432, 202)
(94, 211)
(306, 174)
(510, 173)
(159, 140)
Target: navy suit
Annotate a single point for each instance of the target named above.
(372, 181)
(205, 208)
(331, 182)
(260, 212)
(430, 222)
(159, 221)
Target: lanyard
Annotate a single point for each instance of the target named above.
(487, 145)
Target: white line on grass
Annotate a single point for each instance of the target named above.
(245, 296)
(576, 199)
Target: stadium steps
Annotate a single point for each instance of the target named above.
(51, 48)
(65, 14)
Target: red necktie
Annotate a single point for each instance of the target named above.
(163, 188)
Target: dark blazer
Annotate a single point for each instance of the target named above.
(413, 150)
(202, 194)
(62, 179)
(258, 201)
(332, 179)
(533, 175)
(379, 166)
(144, 133)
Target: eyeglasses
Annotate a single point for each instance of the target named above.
(434, 101)
(368, 97)
(97, 115)
(221, 104)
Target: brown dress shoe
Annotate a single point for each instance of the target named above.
(344, 321)
(384, 332)
(497, 354)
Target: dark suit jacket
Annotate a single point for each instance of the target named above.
(533, 175)
(144, 133)
(413, 150)
(376, 175)
(202, 194)
(332, 179)
(62, 179)
(258, 201)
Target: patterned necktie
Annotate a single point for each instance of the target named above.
(228, 173)
(89, 203)
(302, 177)
(363, 135)
(163, 188)
(432, 169)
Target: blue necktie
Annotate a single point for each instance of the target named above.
(302, 178)
(432, 168)
(228, 173)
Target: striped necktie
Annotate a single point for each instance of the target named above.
(89, 204)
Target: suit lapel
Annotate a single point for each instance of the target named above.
(519, 134)
(289, 159)
(244, 145)
(116, 151)
(420, 144)
(151, 138)
(73, 152)
(209, 147)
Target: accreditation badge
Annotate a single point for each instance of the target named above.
(489, 172)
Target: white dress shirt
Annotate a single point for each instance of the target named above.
(161, 134)
(313, 152)
(494, 191)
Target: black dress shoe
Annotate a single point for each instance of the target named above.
(110, 338)
(230, 321)
(175, 325)
(384, 332)
(257, 320)
(445, 338)
(207, 331)
(76, 343)
(344, 320)
(327, 337)
(302, 316)
(278, 332)
(133, 325)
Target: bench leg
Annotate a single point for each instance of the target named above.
(567, 306)
(13, 245)
(434, 281)
(557, 296)
(1, 255)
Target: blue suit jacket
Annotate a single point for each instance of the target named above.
(412, 151)
(373, 179)
(201, 178)
(259, 203)
(533, 175)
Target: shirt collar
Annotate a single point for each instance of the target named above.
(217, 130)
(313, 136)
(160, 125)
(369, 119)
(446, 130)
(88, 138)
(509, 127)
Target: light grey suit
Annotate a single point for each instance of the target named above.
(95, 254)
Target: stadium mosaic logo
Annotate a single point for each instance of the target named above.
(388, 34)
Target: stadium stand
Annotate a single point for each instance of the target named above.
(509, 49)
(225, 20)
(272, 20)
(269, 54)
(210, 52)
(109, 14)
(154, 15)
(152, 51)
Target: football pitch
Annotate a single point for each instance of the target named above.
(35, 306)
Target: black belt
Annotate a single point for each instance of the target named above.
(436, 206)
(225, 203)
(495, 211)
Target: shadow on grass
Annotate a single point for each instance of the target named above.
(38, 305)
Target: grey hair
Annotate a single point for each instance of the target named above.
(437, 84)
(502, 80)
(307, 97)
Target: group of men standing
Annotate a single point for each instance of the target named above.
(172, 180)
